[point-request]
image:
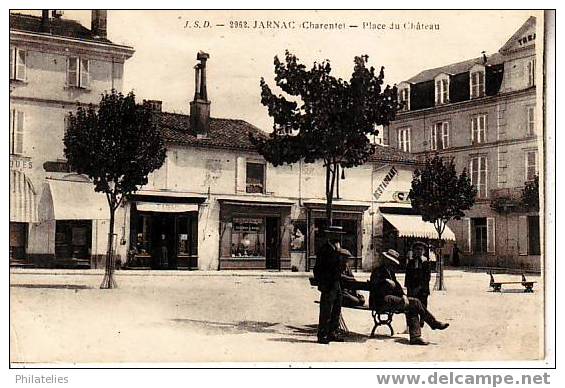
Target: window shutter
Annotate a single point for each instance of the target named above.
(240, 173)
(473, 129)
(523, 235)
(21, 65)
(491, 235)
(12, 65)
(19, 134)
(485, 161)
(466, 243)
(409, 148)
(84, 73)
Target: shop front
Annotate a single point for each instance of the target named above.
(163, 233)
(349, 217)
(254, 234)
(23, 212)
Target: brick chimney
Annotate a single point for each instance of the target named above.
(45, 21)
(200, 107)
(98, 23)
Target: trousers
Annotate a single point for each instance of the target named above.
(415, 310)
(330, 310)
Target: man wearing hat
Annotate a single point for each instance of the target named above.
(327, 272)
(387, 294)
(418, 275)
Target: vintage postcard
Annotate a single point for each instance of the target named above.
(279, 187)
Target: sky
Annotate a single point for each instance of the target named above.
(165, 50)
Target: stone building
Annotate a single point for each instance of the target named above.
(484, 114)
(55, 65)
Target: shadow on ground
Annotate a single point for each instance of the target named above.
(56, 286)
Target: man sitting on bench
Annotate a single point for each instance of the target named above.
(350, 297)
(387, 295)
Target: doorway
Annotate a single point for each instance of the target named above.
(272, 251)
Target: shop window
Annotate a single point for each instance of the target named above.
(143, 235)
(73, 239)
(255, 178)
(17, 64)
(248, 237)
(18, 239)
(187, 232)
(78, 73)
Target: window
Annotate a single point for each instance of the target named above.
(16, 132)
(404, 139)
(17, 64)
(442, 90)
(78, 72)
(483, 235)
(531, 165)
(531, 72)
(255, 178)
(531, 131)
(477, 84)
(248, 237)
(478, 170)
(405, 98)
(440, 136)
(478, 128)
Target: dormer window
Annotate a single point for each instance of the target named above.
(442, 89)
(404, 96)
(477, 81)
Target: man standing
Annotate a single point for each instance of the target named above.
(387, 294)
(418, 275)
(327, 272)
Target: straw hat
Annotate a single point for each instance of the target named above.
(392, 255)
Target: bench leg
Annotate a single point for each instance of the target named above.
(497, 288)
(374, 314)
(529, 289)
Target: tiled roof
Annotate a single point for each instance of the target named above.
(456, 68)
(234, 134)
(223, 133)
(58, 27)
(390, 154)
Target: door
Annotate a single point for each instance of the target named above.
(272, 251)
(164, 254)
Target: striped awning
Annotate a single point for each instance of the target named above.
(23, 205)
(413, 226)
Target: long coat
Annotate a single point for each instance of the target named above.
(381, 288)
(327, 270)
(418, 275)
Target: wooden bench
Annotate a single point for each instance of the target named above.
(380, 317)
(497, 286)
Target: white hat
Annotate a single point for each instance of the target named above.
(392, 255)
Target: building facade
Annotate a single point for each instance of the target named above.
(55, 65)
(484, 114)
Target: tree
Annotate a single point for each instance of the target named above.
(116, 145)
(530, 194)
(324, 118)
(440, 195)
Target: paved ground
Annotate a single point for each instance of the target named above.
(229, 316)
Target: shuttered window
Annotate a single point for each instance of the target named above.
(478, 170)
(531, 165)
(478, 128)
(440, 136)
(17, 64)
(16, 132)
(404, 139)
(78, 72)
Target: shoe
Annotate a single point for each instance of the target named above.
(335, 338)
(440, 326)
(323, 340)
(418, 341)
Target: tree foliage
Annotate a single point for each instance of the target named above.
(323, 118)
(530, 194)
(440, 195)
(116, 145)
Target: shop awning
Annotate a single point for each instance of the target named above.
(23, 206)
(413, 226)
(160, 207)
(72, 200)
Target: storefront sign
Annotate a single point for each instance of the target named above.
(57, 166)
(401, 196)
(19, 163)
(383, 185)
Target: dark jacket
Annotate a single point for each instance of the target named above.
(327, 270)
(380, 287)
(418, 275)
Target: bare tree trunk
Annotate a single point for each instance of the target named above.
(440, 283)
(330, 184)
(109, 281)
